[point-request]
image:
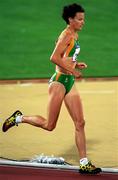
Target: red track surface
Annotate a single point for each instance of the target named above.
(29, 173)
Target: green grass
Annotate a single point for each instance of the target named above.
(28, 30)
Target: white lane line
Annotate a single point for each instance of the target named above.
(26, 84)
(81, 91)
(97, 91)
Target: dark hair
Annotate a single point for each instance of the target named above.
(70, 11)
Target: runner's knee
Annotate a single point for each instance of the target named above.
(51, 127)
(80, 125)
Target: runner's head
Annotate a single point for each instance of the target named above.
(73, 14)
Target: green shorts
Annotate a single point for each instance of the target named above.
(65, 79)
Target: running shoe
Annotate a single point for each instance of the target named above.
(89, 169)
(11, 121)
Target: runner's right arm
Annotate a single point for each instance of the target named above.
(57, 55)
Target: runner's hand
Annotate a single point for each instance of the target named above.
(81, 65)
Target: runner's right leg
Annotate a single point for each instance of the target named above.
(56, 96)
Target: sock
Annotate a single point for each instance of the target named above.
(84, 161)
(19, 119)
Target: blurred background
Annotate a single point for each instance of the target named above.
(29, 29)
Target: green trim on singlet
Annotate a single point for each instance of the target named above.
(65, 79)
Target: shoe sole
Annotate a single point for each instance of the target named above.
(96, 171)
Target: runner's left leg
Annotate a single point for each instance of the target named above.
(74, 106)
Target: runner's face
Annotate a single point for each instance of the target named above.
(78, 21)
